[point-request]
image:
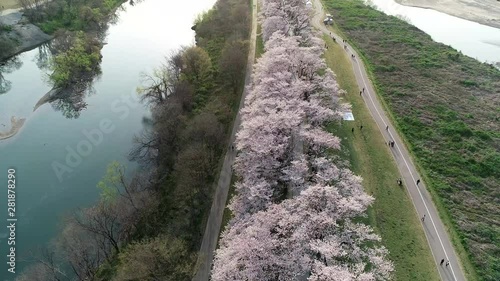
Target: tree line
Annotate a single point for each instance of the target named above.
(296, 210)
(150, 226)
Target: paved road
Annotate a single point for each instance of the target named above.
(206, 254)
(437, 236)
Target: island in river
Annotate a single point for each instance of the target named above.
(485, 12)
(22, 35)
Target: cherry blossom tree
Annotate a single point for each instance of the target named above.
(309, 237)
(295, 210)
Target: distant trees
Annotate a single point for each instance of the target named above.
(295, 210)
(290, 17)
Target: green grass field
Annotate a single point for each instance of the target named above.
(392, 214)
(446, 106)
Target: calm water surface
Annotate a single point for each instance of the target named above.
(142, 37)
(473, 39)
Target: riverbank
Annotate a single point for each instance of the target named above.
(18, 34)
(444, 104)
(9, 4)
(485, 12)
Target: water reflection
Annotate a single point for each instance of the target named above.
(472, 39)
(8, 66)
(72, 62)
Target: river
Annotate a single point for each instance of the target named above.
(479, 41)
(51, 177)
(59, 159)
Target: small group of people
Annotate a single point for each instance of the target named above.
(391, 143)
(442, 261)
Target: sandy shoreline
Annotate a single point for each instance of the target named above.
(485, 12)
(16, 125)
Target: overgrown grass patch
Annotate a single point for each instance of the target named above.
(446, 106)
(392, 214)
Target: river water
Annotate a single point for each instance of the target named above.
(58, 159)
(479, 41)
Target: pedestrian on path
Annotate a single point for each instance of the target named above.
(387, 128)
(418, 181)
(423, 218)
(400, 182)
(447, 263)
(363, 89)
(441, 263)
(360, 93)
(392, 143)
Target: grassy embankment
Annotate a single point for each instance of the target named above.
(392, 214)
(445, 105)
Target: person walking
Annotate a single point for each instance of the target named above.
(387, 128)
(361, 127)
(423, 218)
(418, 181)
(360, 93)
(441, 263)
(352, 130)
(447, 263)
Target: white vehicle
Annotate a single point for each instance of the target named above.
(328, 19)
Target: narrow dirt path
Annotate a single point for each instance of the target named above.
(212, 230)
(434, 229)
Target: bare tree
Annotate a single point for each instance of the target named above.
(162, 83)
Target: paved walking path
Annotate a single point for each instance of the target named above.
(435, 232)
(206, 254)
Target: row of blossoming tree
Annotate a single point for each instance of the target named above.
(295, 211)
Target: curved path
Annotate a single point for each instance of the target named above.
(212, 230)
(434, 229)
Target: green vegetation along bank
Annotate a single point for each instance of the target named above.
(150, 227)
(447, 107)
